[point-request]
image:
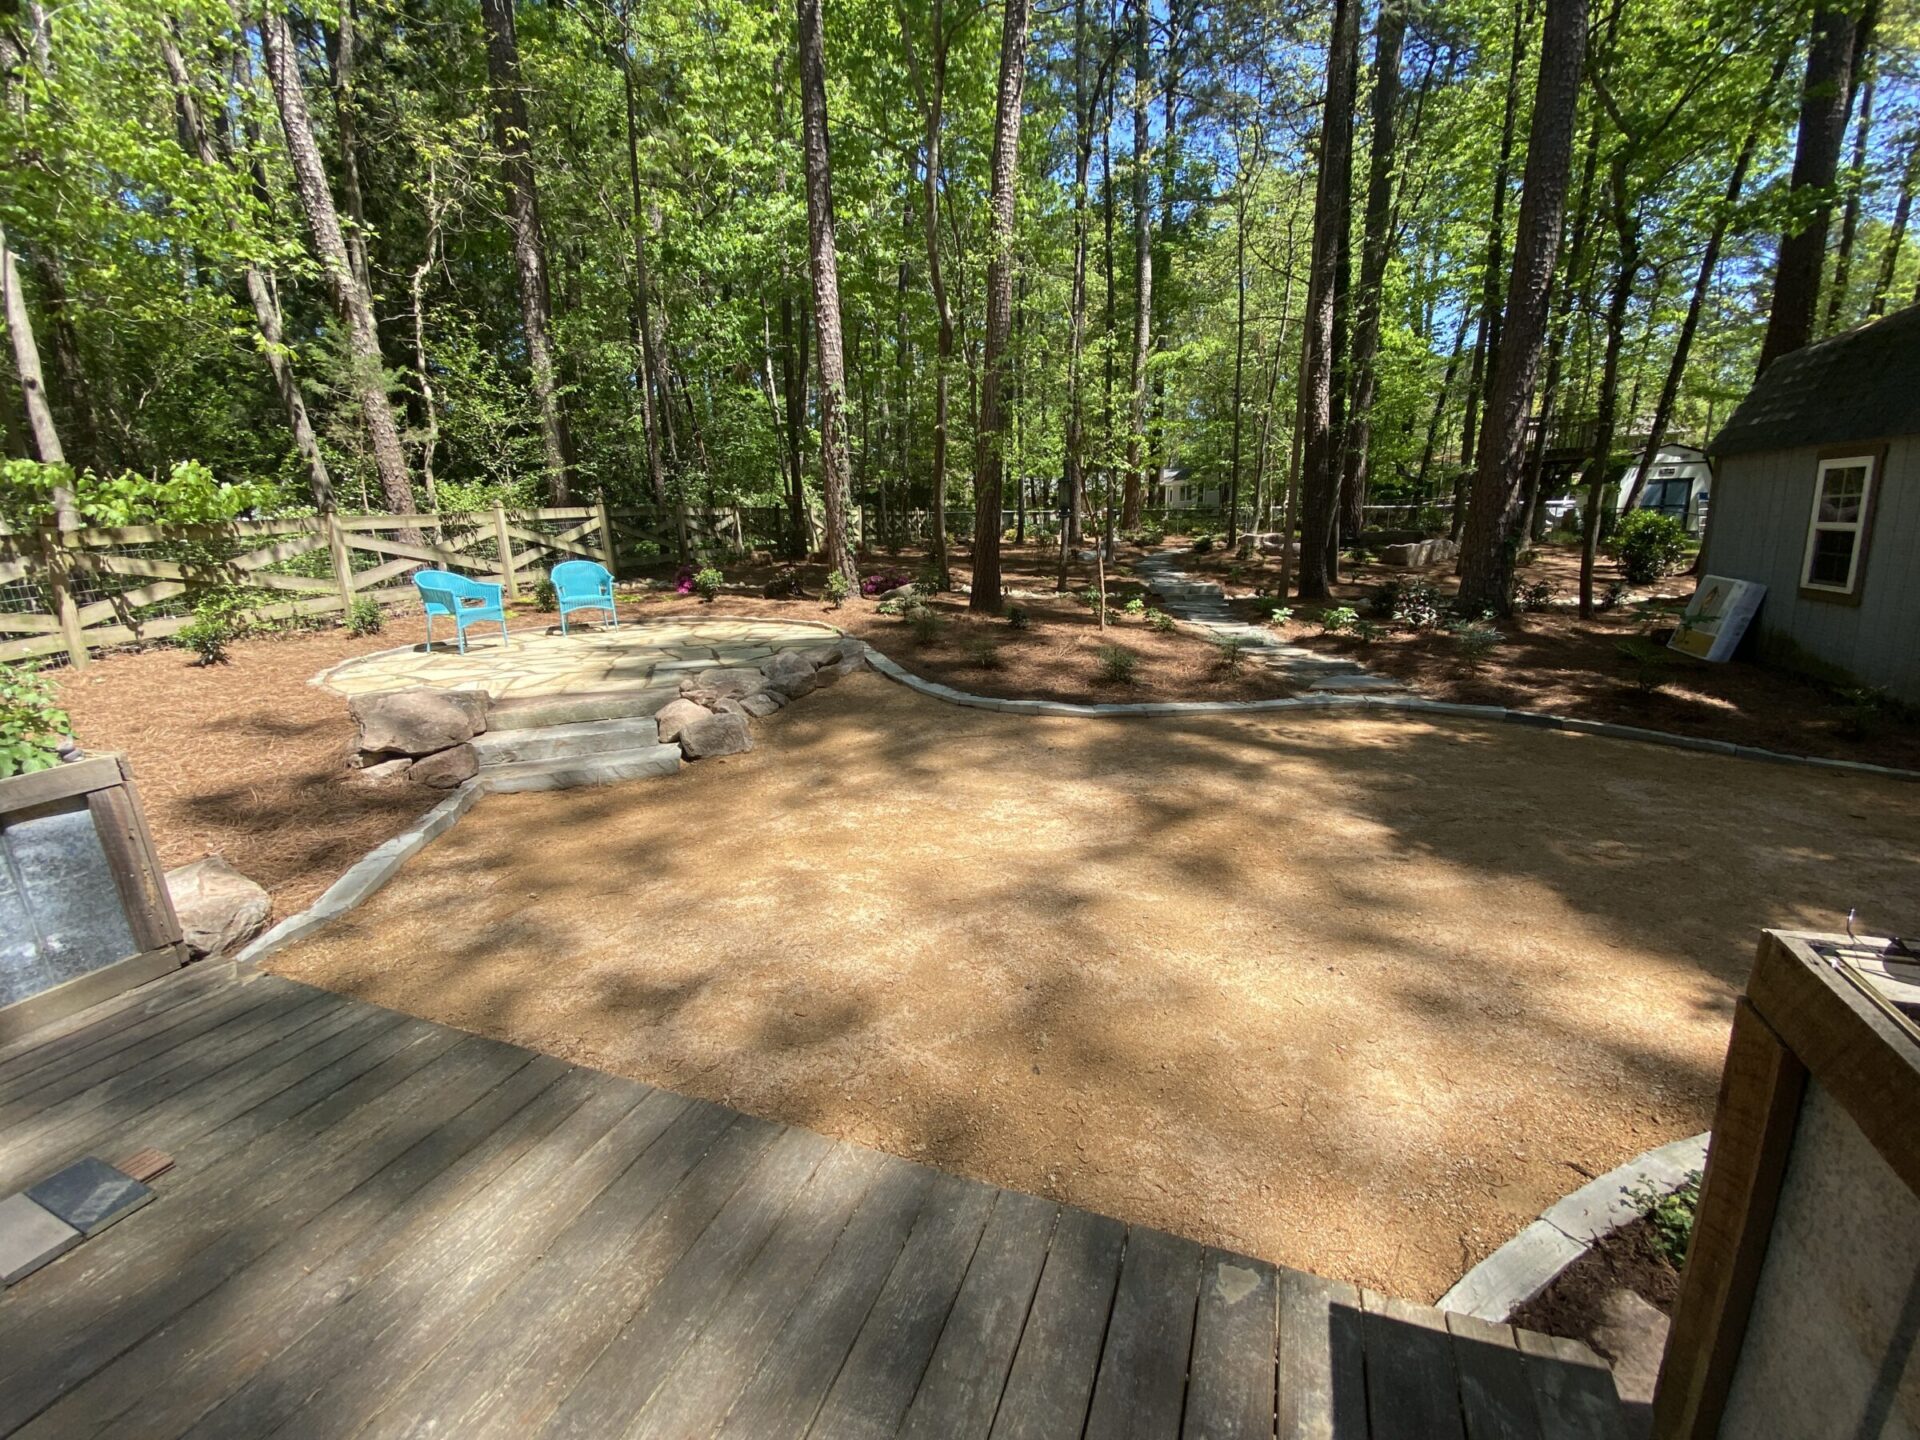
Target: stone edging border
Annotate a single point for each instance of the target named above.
(1534, 1259)
(1410, 703)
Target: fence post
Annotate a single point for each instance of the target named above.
(608, 552)
(505, 543)
(54, 548)
(342, 562)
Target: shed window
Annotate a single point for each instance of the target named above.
(1838, 529)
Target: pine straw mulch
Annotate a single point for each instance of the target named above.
(246, 759)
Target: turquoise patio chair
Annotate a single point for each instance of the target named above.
(467, 601)
(583, 585)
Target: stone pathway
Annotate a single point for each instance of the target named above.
(639, 655)
(1203, 605)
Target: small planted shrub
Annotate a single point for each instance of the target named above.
(1868, 710)
(1615, 593)
(1648, 545)
(207, 636)
(545, 597)
(1410, 604)
(1136, 607)
(925, 624)
(365, 617)
(838, 589)
(1227, 656)
(1159, 622)
(1145, 535)
(1476, 642)
(31, 723)
(984, 651)
(1339, 620)
(1114, 664)
(1648, 666)
(891, 607)
(880, 582)
(1536, 596)
(707, 582)
(931, 581)
(683, 581)
(1093, 600)
(1019, 618)
(1202, 543)
(1366, 631)
(1670, 1216)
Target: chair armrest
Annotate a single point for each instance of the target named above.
(494, 593)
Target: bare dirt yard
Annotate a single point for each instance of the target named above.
(1356, 994)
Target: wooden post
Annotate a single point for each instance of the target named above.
(609, 554)
(342, 562)
(505, 542)
(53, 546)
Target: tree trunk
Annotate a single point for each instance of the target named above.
(342, 47)
(513, 137)
(1074, 459)
(1600, 461)
(1902, 211)
(1486, 575)
(350, 297)
(1702, 285)
(1850, 213)
(266, 306)
(636, 220)
(1239, 356)
(1816, 157)
(1320, 465)
(989, 471)
(1142, 269)
(26, 362)
(1389, 31)
(834, 483)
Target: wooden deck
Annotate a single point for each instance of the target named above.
(379, 1226)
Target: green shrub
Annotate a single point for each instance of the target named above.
(1366, 631)
(1114, 664)
(1412, 604)
(1338, 620)
(1537, 596)
(1475, 637)
(1159, 622)
(207, 636)
(1649, 666)
(31, 723)
(546, 598)
(1227, 655)
(1648, 545)
(707, 582)
(838, 589)
(931, 581)
(365, 617)
(984, 651)
(1092, 599)
(1135, 607)
(1019, 618)
(926, 625)
(1670, 1216)
(1202, 543)
(1145, 535)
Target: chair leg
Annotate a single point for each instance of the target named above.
(429, 632)
(563, 624)
(460, 634)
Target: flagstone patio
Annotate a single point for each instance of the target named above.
(592, 660)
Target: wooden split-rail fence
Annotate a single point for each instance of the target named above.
(82, 591)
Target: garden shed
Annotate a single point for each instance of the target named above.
(1817, 498)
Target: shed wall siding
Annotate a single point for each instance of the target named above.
(1761, 506)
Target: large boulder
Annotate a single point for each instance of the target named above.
(676, 715)
(219, 908)
(1418, 554)
(726, 682)
(789, 672)
(446, 768)
(420, 721)
(715, 735)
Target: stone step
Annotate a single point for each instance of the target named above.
(564, 742)
(586, 770)
(534, 712)
(1335, 683)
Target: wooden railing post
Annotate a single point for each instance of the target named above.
(53, 546)
(505, 542)
(342, 559)
(608, 551)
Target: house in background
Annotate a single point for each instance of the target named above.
(1680, 486)
(1177, 491)
(1817, 497)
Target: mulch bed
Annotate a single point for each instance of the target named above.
(1626, 1259)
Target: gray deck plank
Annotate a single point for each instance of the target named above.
(99, 1023)
(173, 1121)
(960, 1392)
(506, 1370)
(182, 1251)
(638, 1359)
(1414, 1394)
(460, 1259)
(882, 1371)
(1230, 1394)
(1573, 1390)
(315, 1276)
(800, 1366)
(1322, 1369)
(1496, 1399)
(1053, 1371)
(1141, 1390)
(716, 1368)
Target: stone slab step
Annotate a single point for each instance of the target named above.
(587, 770)
(1356, 682)
(535, 711)
(564, 742)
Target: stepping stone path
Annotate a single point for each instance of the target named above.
(1203, 605)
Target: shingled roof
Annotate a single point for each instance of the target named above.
(1863, 385)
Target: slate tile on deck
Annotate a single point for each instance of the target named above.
(90, 1195)
(30, 1237)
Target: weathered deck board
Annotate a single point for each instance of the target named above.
(380, 1227)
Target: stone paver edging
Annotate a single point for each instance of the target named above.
(1535, 1258)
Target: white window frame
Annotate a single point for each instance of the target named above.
(1858, 529)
